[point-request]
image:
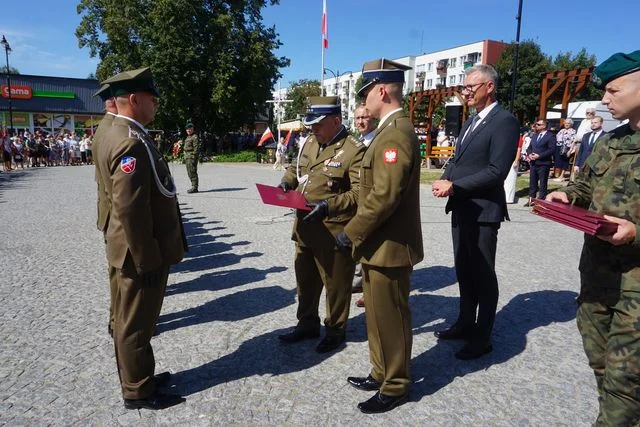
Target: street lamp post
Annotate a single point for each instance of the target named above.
(336, 76)
(7, 49)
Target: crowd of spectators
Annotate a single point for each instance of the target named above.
(40, 149)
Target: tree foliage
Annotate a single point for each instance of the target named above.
(12, 70)
(532, 64)
(212, 60)
(298, 93)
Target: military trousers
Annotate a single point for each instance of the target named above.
(192, 170)
(611, 340)
(136, 309)
(113, 291)
(329, 268)
(388, 316)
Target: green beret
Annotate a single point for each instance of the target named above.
(104, 93)
(132, 81)
(619, 64)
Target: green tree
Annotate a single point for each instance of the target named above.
(12, 70)
(213, 60)
(565, 61)
(532, 62)
(298, 93)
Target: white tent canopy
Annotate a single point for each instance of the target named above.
(291, 125)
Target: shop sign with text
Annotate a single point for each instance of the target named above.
(17, 92)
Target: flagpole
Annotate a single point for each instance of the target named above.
(324, 35)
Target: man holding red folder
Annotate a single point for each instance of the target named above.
(327, 173)
(609, 183)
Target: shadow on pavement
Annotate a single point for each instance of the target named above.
(437, 367)
(237, 306)
(219, 280)
(220, 190)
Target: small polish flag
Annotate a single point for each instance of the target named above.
(325, 26)
(265, 136)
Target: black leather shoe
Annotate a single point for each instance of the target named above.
(155, 401)
(474, 351)
(356, 288)
(382, 403)
(366, 384)
(110, 330)
(162, 378)
(330, 343)
(454, 333)
(299, 334)
(192, 190)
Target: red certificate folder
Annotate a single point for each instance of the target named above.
(587, 221)
(276, 196)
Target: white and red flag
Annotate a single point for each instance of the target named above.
(286, 140)
(265, 136)
(325, 26)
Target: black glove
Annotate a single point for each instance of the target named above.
(285, 186)
(343, 242)
(319, 211)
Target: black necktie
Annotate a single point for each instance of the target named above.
(592, 138)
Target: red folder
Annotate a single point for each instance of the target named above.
(587, 221)
(276, 196)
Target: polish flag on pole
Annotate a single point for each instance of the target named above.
(325, 27)
(286, 140)
(265, 136)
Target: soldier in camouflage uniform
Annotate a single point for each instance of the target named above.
(191, 150)
(328, 174)
(609, 183)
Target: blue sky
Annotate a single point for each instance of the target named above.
(41, 32)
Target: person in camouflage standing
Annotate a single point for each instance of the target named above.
(609, 182)
(191, 149)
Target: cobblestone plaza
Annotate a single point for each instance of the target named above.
(235, 292)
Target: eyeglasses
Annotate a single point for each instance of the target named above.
(470, 88)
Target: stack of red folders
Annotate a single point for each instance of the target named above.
(587, 221)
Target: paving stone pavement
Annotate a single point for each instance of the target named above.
(235, 292)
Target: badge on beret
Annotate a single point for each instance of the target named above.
(391, 155)
(128, 164)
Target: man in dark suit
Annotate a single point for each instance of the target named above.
(588, 141)
(474, 181)
(540, 153)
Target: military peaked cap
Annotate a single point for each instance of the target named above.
(319, 107)
(104, 93)
(189, 126)
(381, 71)
(619, 64)
(140, 80)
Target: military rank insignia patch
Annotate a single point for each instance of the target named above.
(128, 164)
(391, 155)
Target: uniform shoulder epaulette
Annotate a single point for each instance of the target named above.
(353, 140)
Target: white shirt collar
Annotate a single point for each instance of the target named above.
(366, 139)
(486, 110)
(134, 121)
(386, 116)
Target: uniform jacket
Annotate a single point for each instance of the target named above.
(144, 220)
(191, 145)
(586, 148)
(545, 147)
(334, 176)
(386, 230)
(609, 183)
(103, 201)
(480, 167)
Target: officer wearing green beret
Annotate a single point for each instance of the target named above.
(103, 202)
(191, 150)
(386, 236)
(144, 235)
(327, 172)
(609, 183)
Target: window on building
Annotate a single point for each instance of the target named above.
(420, 68)
(462, 59)
(430, 66)
(452, 80)
(452, 62)
(460, 78)
(429, 83)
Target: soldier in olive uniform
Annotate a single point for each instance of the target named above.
(144, 235)
(386, 236)
(609, 183)
(103, 203)
(327, 173)
(191, 149)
